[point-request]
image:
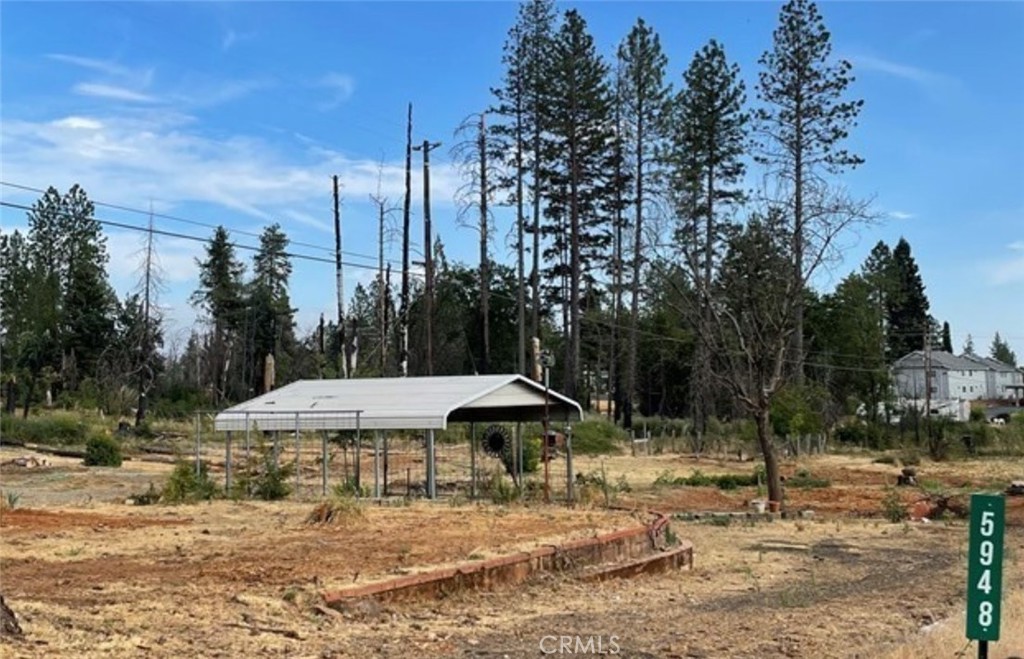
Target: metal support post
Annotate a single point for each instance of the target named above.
(472, 460)
(227, 464)
(323, 463)
(431, 466)
(298, 464)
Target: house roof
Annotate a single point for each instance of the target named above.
(415, 403)
(989, 363)
(940, 360)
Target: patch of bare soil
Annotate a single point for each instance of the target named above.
(230, 579)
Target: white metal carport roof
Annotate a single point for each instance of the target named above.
(414, 403)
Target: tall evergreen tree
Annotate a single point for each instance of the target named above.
(642, 94)
(909, 322)
(220, 296)
(268, 314)
(1001, 351)
(706, 156)
(947, 339)
(521, 102)
(578, 141)
(68, 255)
(803, 123)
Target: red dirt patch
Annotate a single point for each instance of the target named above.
(28, 519)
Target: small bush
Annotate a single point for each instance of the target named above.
(501, 491)
(531, 456)
(884, 460)
(803, 479)
(185, 485)
(102, 451)
(347, 489)
(596, 438)
(263, 479)
(893, 508)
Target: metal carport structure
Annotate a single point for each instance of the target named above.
(413, 403)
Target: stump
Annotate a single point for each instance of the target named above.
(8, 621)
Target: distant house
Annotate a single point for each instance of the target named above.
(1000, 378)
(952, 377)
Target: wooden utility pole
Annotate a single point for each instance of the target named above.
(403, 313)
(340, 281)
(928, 381)
(428, 255)
(485, 266)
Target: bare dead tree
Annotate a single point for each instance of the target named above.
(479, 172)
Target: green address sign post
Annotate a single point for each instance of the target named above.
(985, 569)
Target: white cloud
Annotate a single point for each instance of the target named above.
(112, 92)
(341, 86)
(901, 215)
(102, 66)
(1017, 246)
(78, 123)
(161, 156)
(936, 85)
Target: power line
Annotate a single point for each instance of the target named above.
(175, 218)
(185, 236)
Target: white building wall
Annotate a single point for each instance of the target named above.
(967, 385)
(946, 385)
(1003, 378)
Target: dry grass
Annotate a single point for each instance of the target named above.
(947, 637)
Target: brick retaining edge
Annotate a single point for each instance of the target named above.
(629, 550)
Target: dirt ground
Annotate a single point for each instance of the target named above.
(90, 576)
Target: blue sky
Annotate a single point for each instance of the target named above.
(239, 113)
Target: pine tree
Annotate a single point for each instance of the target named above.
(706, 156)
(802, 125)
(907, 311)
(578, 141)
(220, 295)
(642, 94)
(66, 253)
(969, 345)
(268, 308)
(947, 339)
(1000, 351)
(521, 104)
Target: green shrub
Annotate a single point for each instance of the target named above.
(102, 451)
(699, 479)
(892, 506)
(265, 480)
(803, 479)
(531, 456)
(597, 437)
(500, 490)
(52, 429)
(347, 489)
(185, 484)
